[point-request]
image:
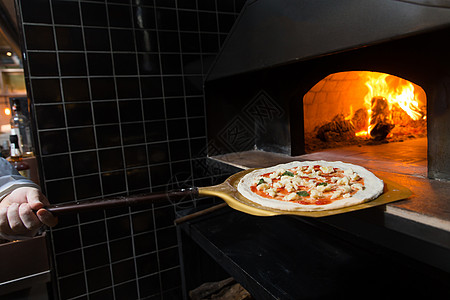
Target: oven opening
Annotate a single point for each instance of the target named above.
(363, 108)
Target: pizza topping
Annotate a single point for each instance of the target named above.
(308, 184)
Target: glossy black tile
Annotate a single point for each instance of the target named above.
(111, 159)
(160, 174)
(225, 5)
(144, 243)
(100, 64)
(177, 129)
(72, 286)
(84, 163)
(168, 258)
(66, 239)
(39, 37)
(60, 191)
(36, 11)
(142, 221)
(119, 227)
(94, 14)
(127, 87)
(163, 218)
(122, 40)
(108, 136)
(206, 5)
(175, 108)
(209, 42)
(133, 133)
(192, 64)
(149, 64)
(102, 294)
(53, 142)
(193, 85)
(93, 233)
(165, 3)
(46, 90)
(106, 112)
(154, 109)
(168, 41)
(173, 86)
(69, 38)
(124, 271)
(43, 64)
(171, 64)
(144, 17)
(119, 16)
(81, 138)
(69, 262)
(158, 153)
(195, 106)
(166, 19)
(190, 4)
(88, 187)
(121, 249)
(97, 39)
(190, 42)
(138, 179)
(166, 237)
(56, 166)
(188, 20)
(197, 127)
(156, 131)
(102, 88)
(98, 278)
(50, 116)
(72, 64)
(113, 182)
(130, 110)
(127, 290)
(96, 256)
(75, 89)
(147, 264)
(135, 156)
(198, 147)
(207, 21)
(179, 150)
(78, 114)
(150, 286)
(146, 40)
(125, 64)
(151, 87)
(66, 12)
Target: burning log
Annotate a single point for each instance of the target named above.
(359, 119)
(380, 123)
(337, 130)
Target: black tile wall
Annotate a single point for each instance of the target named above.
(118, 109)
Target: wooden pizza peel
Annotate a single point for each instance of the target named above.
(229, 193)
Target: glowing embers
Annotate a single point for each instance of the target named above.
(363, 107)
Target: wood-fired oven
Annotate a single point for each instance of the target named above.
(259, 91)
(315, 80)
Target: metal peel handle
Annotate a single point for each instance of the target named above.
(94, 205)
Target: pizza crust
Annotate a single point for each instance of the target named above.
(373, 187)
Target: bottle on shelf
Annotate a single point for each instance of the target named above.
(20, 126)
(16, 158)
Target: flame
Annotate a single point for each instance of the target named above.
(397, 91)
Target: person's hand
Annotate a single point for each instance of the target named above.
(17, 216)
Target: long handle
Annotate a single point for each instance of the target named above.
(93, 205)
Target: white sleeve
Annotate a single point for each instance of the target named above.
(10, 179)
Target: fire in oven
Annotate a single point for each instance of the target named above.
(363, 108)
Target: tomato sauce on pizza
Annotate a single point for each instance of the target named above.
(308, 185)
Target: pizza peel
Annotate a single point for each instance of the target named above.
(229, 193)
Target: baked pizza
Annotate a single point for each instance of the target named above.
(311, 186)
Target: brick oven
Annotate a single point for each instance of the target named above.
(289, 73)
(257, 90)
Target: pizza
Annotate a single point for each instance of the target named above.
(311, 186)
